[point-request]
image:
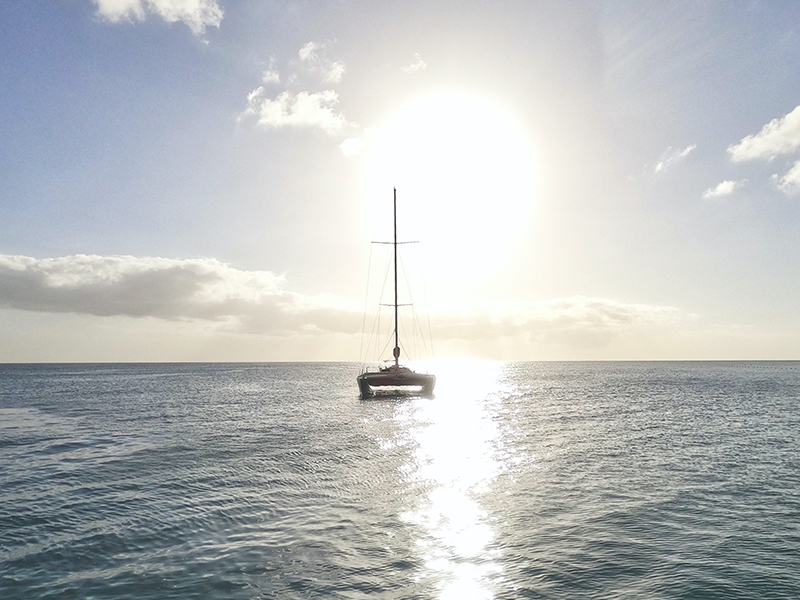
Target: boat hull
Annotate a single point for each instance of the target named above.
(385, 382)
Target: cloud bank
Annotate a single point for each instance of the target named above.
(578, 321)
(171, 289)
(779, 136)
(197, 14)
(256, 302)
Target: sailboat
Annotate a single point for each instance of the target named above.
(392, 376)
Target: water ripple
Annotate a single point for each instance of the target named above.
(538, 480)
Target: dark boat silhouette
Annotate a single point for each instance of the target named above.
(392, 377)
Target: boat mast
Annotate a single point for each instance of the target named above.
(396, 351)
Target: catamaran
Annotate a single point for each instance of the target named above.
(392, 376)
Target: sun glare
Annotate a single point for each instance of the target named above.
(464, 173)
(456, 444)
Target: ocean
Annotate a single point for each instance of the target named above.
(518, 480)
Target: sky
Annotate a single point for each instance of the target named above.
(201, 180)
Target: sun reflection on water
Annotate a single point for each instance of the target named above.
(455, 443)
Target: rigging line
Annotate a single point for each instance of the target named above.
(361, 355)
(375, 337)
(376, 324)
(385, 278)
(430, 334)
(411, 302)
(419, 333)
(422, 341)
(414, 343)
(376, 320)
(389, 340)
(422, 336)
(427, 309)
(418, 338)
(415, 314)
(405, 336)
(416, 332)
(405, 278)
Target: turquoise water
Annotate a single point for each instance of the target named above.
(531, 480)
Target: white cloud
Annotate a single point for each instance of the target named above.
(789, 183)
(271, 75)
(333, 73)
(673, 155)
(197, 14)
(779, 136)
(724, 188)
(300, 109)
(314, 56)
(351, 146)
(576, 321)
(417, 65)
(309, 51)
(171, 289)
(303, 109)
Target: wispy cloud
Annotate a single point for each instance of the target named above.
(779, 136)
(303, 109)
(417, 65)
(314, 56)
(309, 51)
(163, 288)
(724, 188)
(789, 183)
(577, 321)
(672, 156)
(334, 73)
(271, 75)
(197, 14)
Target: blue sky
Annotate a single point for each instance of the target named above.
(200, 179)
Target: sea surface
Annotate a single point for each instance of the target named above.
(518, 480)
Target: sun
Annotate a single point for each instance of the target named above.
(465, 179)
